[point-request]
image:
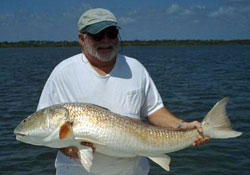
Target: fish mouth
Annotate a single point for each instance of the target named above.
(20, 134)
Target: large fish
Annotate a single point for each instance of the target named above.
(66, 125)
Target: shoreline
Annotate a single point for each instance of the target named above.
(20, 44)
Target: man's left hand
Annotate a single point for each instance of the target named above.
(196, 125)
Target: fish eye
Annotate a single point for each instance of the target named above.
(24, 120)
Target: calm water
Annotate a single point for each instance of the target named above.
(191, 79)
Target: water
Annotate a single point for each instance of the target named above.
(191, 79)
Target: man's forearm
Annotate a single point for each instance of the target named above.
(164, 118)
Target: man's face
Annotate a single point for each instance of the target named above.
(103, 45)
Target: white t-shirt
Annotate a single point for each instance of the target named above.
(127, 90)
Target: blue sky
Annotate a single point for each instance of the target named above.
(56, 20)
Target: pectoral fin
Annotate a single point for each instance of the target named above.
(86, 157)
(65, 130)
(163, 161)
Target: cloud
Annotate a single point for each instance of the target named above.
(75, 11)
(186, 12)
(176, 20)
(126, 20)
(222, 11)
(43, 18)
(194, 10)
(133, 12)
(5, 20)
(173, 9)
(23, 19)
(237, 1)
(41, 25)
(232, 13)
(195, 21)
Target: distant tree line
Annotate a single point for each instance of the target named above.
(39, 44)
(185, 42)
(124, 43)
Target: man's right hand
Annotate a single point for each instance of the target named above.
(72, 152)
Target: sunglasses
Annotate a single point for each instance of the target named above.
(111, 33)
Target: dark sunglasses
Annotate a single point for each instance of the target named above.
(110, 33)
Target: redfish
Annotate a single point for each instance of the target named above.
(69, 124)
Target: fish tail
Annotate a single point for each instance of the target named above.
(216, 124)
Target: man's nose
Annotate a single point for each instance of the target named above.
(106, 38)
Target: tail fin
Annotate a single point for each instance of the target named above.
(216, 124)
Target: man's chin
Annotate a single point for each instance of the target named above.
(106, 57)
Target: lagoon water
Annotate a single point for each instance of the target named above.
(191, 79)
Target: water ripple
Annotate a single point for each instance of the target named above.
(191, 79)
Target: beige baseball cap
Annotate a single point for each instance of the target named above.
(95, 20)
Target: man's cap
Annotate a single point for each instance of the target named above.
(96, 20)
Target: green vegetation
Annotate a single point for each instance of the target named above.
(38, 44)
(124, 43)
(184, 42)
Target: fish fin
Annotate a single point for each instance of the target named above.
(86, 157)
(106, 109)
(216, 124)
(163, 160)
(65, 130)
(89, 140)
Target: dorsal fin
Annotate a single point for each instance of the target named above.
(99, 107)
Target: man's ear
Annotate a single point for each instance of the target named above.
(81, 38)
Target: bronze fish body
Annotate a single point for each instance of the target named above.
(69, 124)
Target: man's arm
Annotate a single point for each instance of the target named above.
(164, 118)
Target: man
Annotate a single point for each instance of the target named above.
(102, 77)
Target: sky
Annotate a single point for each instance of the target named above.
(56, 20)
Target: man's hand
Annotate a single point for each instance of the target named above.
(72, 152)
(196, 125)
(165, 119)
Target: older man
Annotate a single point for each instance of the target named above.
(101, 76)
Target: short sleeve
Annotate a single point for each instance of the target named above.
(153, 100)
